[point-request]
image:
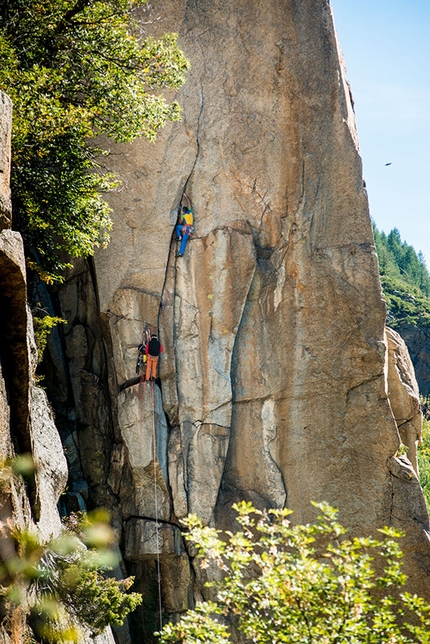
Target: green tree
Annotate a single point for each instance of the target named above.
(65, 584)
(424, 455)
(76, 69)
(43, 325)
(405, 280)
(424, 277)
(301, 584)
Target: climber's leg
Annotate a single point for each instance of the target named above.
(148, 368)
(185, 238)
(178, 230)
(154, 361)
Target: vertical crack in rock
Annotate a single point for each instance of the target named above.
(17, 349)
(255, 421)
(141, 419)
(272, 321)
(208, 309)
(199, 118)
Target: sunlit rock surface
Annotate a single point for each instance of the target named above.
(272, 384)
(5, 156)
(404, 394)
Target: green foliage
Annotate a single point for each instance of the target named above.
(64, 583)
(98, 601)
(43, 325)
(424, 461)
(301, 584)
(399, 259)
(405, 280)
(405, 303)
(72, 588)
(76, 69)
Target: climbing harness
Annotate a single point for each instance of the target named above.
(141, 356)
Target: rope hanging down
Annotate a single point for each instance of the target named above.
(157, 525)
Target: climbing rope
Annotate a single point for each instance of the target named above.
(157, 525)
(146, 335)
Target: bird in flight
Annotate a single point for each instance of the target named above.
(388, 163)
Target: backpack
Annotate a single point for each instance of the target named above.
(154, 347)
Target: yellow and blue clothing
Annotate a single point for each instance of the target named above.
(184, 230)
(188, 217)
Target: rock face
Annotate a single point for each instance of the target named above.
(272, 383)
(404, 394)
(26, 424)
(5, 137)
(26, 420)
(417, 340)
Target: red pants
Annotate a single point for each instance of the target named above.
(151, 367)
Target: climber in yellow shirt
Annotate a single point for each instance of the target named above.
(184, 229)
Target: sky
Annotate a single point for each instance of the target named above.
(386, 46)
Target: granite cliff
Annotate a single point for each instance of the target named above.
(27, 425)
(272, 384)
(417, 340)
(273, 381)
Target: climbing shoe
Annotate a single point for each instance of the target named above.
(179, 255)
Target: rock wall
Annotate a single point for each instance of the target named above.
(26, 420)
(5, 150)
(272, 384)
(417, 340)
(404, 394)
(26, 423)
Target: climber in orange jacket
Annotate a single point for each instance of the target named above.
(153, 349)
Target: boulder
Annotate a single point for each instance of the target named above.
(50, 462)
(404, 394)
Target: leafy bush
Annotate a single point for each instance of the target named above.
(301, 584)
(76, 69)
(72, 585)
(424, 461)
(43, 325)
(64, 584)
